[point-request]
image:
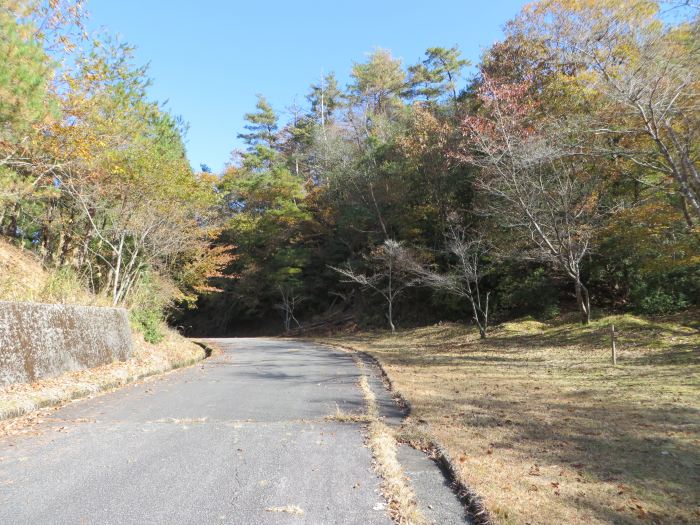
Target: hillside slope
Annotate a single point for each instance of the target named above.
(24, 278)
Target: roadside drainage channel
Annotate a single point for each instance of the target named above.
(434, 491)
(208, 348)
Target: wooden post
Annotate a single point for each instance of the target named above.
(614, 348)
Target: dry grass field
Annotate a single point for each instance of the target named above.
(545, 428)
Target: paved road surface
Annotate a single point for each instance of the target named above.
(234, 440)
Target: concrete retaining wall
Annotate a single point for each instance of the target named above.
(43, 340)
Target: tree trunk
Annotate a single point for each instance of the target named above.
(117, 271)
(477, 319)
(584, 302)
(480, 315)
(390, 317)
(11, 229)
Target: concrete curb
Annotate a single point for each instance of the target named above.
(473, 503)
(209, 350)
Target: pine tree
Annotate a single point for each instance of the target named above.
(379, 82)
(262, 127)
(325, 97)
(438, 74)
(24, 75)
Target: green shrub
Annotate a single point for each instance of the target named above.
(666, 292)
(661, 302)
(147, 306)
(149, 322)
(550, 311)
(532, 293)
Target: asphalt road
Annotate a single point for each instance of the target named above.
(239, 439)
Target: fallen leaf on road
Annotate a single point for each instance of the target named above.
(289, 509)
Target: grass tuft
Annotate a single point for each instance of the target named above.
(381, 440)
(340, 416)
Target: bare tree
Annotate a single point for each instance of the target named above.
(392, 268)
(288, 303)
(535, 182)
(464, 278)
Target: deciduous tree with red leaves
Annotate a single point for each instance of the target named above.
(533, 180)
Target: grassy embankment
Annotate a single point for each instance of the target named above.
(23, 278)
(541, 424)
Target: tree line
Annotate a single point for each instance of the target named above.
(93, 174)
(558, 173)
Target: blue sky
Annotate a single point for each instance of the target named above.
(209, 58)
